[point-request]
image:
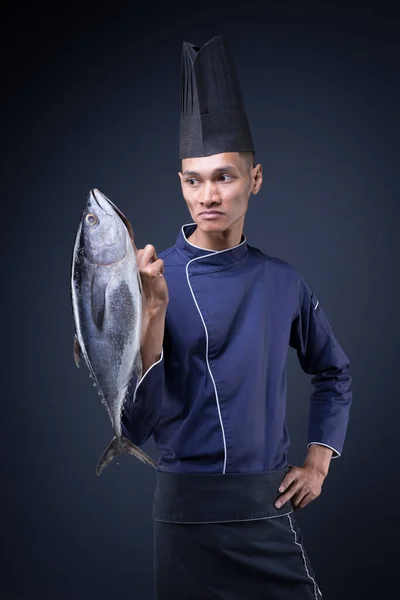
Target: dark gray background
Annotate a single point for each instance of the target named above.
(91, 99)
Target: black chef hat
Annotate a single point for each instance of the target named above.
(213, 117)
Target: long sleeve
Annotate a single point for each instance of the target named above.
(321, 355)
(140, 417)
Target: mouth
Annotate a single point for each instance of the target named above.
(210, 214)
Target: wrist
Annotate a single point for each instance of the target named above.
(153, 325)
(154, 312)
(318, 459)
(321, 471)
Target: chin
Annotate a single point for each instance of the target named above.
(211, 226)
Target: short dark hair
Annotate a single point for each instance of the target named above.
(249, 157)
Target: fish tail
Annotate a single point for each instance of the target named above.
(130, 448)
(119, 446)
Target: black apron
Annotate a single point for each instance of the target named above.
(220, 537)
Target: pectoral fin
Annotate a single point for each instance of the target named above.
(99, 285)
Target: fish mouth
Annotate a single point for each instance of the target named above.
(101, 201)
(106, 205)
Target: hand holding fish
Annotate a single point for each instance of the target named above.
(154, 286)
(154, 305)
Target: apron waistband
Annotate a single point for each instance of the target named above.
(215, 498)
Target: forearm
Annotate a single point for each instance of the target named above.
(318, 458)
(153, 325)
(141, 415)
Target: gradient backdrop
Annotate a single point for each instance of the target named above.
(91, 99)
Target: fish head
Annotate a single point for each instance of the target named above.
(105, 234)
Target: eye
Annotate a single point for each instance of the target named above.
(191, 181)
(91, 219)
(227, 177)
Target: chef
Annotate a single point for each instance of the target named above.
(219, 317)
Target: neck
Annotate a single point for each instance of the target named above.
(218, 240)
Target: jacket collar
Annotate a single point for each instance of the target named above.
(209, 258)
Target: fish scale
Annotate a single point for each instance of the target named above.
(107, 308)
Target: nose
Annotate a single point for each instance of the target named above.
(211, 194)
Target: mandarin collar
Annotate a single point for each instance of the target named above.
(208, 258)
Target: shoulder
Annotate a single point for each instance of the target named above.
(273, 262)
(169, 256)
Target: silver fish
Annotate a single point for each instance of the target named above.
(107, 312)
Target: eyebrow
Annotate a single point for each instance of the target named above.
(214, 172)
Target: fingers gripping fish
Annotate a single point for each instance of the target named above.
(107, 312)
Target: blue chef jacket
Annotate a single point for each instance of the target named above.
(215, 401)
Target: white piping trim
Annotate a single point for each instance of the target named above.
(208, 364)
(149, 369)
(315, 307)
(228, 521)
(321, 444)
(304, 560)
(205, 328)
(208, 249)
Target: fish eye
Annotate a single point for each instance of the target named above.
(91, 219)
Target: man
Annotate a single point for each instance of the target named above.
(219, 318)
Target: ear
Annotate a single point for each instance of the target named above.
(180, 176)
(257, 179)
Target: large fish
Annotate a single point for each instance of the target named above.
(107, 312)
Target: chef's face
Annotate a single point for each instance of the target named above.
(217, 189)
